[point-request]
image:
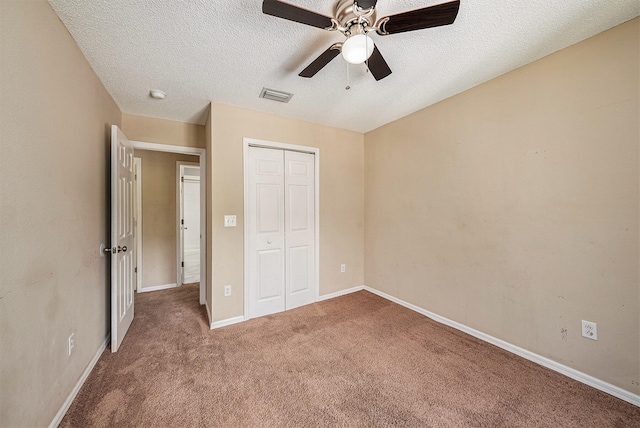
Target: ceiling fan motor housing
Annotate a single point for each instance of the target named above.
(347, 17)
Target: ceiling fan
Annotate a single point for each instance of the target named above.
(356, 19)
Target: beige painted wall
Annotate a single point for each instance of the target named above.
(159, 213)
(341, 199)
(54, 136)
(162, 131)
(513, 207)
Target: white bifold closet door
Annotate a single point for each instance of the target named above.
(281, 230)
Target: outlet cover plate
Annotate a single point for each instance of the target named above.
(589, 330)
(227, 290)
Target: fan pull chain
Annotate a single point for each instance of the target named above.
(348, 80)
(366, 49)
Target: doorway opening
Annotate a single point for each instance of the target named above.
(193, 158)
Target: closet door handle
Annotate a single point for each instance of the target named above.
(268, 242)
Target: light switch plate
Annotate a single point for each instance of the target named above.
(229, 221)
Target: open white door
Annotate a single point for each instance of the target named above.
(122, 236)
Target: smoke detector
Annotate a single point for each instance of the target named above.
(157, 94)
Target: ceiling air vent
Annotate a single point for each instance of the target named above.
(273, 95)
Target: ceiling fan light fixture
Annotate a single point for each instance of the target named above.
(357, 48)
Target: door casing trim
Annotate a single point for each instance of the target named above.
(138, 223)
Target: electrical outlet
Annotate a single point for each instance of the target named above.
(227, 290)
(343, 268)
(71, 343)
(589, 330)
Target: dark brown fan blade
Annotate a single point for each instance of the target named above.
(366, 4)
(319, 63)
(377, 65)
(295, 13)
(432, 16)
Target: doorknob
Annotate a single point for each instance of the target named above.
(115, 250)
(268, 242)
(185, 228)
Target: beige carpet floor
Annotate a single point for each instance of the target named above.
(353, 361)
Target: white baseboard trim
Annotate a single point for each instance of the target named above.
(235, 320)
(340, 293)
(157, 287)
(228, 321)
(603, 386)
(72, 395)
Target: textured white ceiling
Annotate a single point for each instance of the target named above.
(199, 51)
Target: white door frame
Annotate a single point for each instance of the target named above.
(252, 142)
(179, 215)
(141, 145)
(137, 162)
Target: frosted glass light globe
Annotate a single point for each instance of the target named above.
(357, 48)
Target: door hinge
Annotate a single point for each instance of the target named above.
(182, 264)
(182, 179)
(135, 269)
(135, 176)
(182, 221)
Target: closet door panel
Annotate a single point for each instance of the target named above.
(266, 232)
(299, 181)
